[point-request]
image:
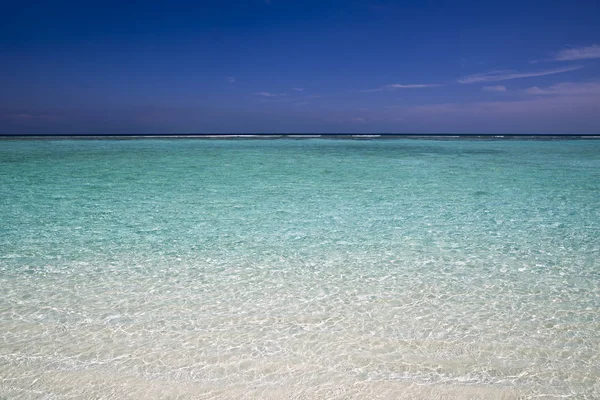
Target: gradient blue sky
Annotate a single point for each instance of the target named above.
(300, 66)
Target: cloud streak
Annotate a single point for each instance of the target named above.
(269, 94)
(497, 88)
(536, 114)
(578, 53)
(567, 89)
(396, 86)
(495, 76)
(23, 116)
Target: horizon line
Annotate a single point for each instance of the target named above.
(303, 134)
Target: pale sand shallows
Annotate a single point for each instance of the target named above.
(299, 269)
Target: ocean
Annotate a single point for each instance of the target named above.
(300, 269)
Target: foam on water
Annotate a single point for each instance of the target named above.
(300, 269)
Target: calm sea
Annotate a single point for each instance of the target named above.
(300, 269)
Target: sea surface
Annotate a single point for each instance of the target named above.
(299, 269)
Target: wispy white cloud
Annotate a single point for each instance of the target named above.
(297, 89)
(567, 89)
(24, 116)
(230, 79)
(494, 76)
(401, 86)
(497, 88)
(269, 94)
(395, 86)
(578, 53)
(535, 114)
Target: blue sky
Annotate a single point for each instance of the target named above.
(300, 66)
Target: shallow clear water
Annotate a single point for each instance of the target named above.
(309, 269)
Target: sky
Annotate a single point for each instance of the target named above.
(292, 66)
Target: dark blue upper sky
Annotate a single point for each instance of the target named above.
(300, 66)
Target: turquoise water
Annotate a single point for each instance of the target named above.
(302, 269)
